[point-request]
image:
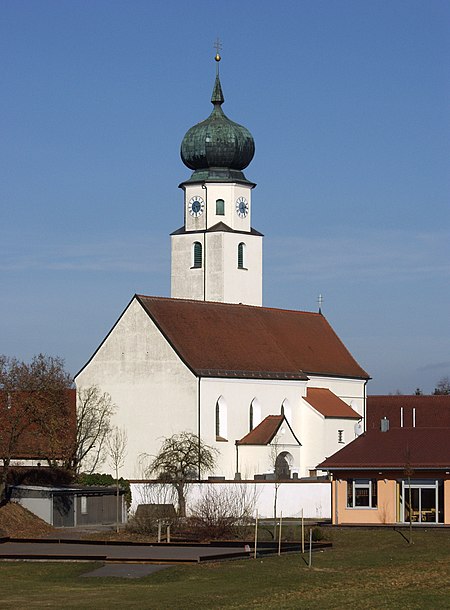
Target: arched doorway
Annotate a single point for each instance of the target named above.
(283, 464)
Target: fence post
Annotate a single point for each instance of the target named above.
(279, 534)
(310, 548)
(303, 534)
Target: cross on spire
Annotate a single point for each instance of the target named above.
(320, 302)
(218, 46)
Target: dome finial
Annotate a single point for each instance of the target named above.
(217, 95)
(218, 46)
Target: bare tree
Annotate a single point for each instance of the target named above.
(180, 458)
(442, 386)
(117, 450)
(224, 511)
(94, 412)
(35, 411)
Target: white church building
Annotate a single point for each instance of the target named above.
(274, 391)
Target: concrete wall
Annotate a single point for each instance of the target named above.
(314, 498)
(38, 503)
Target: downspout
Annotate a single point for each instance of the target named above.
(334, 488)
(199, 428)
(365, 405)
(204, 241)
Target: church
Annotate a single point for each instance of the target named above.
(273, 391)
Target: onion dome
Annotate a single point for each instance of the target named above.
(217, 148)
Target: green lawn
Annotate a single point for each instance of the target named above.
(367, 569)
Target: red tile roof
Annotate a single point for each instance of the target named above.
(53, 439)
(420, 448)
(430, 411)
(264, 432)
(328, 404)
(225, 340)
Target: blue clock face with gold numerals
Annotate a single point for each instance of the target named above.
(242, 207)
(196, 206)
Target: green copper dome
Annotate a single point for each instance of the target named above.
(217, 148)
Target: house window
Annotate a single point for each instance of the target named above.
(221, 419)
(220, 207)
(241, 256)
(83, 504)
(197, 255)
(341, 436)
(362, 493)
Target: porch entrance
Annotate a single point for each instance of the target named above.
(421, 501)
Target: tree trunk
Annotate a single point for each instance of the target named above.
(3, 477)
(181, 501)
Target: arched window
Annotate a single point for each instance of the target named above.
(197, 255)
(221, 419)
(241, 255)
(286, 410)
(220, 207)
(254, 414)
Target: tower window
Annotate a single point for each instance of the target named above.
(241, 256)
(220, 207)
(197, 255)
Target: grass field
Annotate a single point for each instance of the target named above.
(367, 569)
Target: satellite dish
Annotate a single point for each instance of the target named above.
(358, 428)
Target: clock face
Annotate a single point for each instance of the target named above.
(242, 207)
(196, 206)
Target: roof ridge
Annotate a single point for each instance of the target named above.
(260, 307)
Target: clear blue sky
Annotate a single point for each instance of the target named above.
(348, 102)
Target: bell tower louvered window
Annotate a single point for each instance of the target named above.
(197, 255)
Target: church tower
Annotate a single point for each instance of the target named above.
(216, 255)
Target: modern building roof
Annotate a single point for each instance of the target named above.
(408, 411)
(396, 449)
(244, 341)
(328, 404)
(41, 428)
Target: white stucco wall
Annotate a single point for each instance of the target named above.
(155, 393)
(227, 191)
(313, 497)
(238, 395)
(223, 281)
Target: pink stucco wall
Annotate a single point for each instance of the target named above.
(385, 513)
(387, 510)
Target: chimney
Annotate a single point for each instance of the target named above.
(384, 424)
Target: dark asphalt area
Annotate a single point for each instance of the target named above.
(121, 560)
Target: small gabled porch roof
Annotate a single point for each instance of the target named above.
(265, 432)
